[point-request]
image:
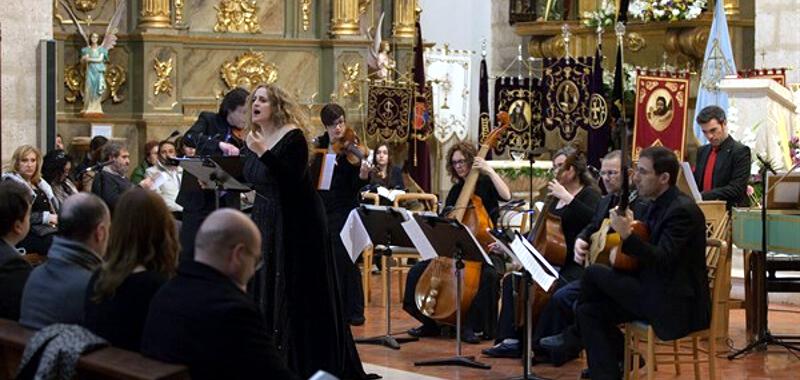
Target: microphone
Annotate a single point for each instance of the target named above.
(766, 164)
(95, 167)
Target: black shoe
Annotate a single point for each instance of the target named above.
(424, 331)
(503, 350)
(561, 348)
(468, 336)
(356, 320)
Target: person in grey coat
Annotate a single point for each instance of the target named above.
(55, 291)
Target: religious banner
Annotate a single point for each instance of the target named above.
(449, 72)
(388, 110)
(484, 118)
(521, 99)
(422, 125)
(661, 111)
(778, 75)
(566, 95)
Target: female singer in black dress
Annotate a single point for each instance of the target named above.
(297, 284)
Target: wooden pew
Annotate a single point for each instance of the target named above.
(105, 363)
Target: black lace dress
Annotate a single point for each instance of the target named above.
(299, 290)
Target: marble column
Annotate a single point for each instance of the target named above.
(344, 20)
(154, 14)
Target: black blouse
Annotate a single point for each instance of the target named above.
(574, 217)
(484, 189)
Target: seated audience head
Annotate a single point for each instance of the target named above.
(56, 166)
(714, 125)
(152, 245)
(334, 119)
(15, 212)
(229, 242)
(166, 150)
(234, 107)
(96, 148)
(460, 158)
(611, 171)
(118, 154)
(85, 218)
(59, 143)
(27, 162)
(151, 152)
(186, 147)
(656, 171)
(381, 157)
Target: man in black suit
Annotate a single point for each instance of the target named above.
(723, 165)
(203, 318)
(110, 182)
(15, 215)
(670, 291)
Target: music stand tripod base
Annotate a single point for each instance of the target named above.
(464, 361)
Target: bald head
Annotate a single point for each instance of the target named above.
(231, 243)
(84, 217)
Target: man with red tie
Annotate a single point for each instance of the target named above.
(723, 165)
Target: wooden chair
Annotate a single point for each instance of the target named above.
(366, 268)
(105, 363)
(641, 332)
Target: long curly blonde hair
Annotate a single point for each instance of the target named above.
(285, 109)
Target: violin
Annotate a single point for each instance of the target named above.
(350, 146)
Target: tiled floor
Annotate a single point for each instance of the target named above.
(775, 363)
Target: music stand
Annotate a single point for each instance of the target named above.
(216, 176)
(383, 227)
(450, 238)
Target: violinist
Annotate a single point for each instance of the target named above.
(670, 290)
(575, 194)
(491, 189)
(348, 179)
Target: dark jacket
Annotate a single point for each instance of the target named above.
(673, 274)
(574, 218)
(201, 319)
(14, 271)
(394, 179)
(55, 290)
(638, 206)
(731, 173)
(109, 186)
(345, 186)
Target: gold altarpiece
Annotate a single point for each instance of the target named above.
(175, 58)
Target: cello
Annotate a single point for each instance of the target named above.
(435, 294)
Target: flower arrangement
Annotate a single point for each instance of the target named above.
(603, 17)
(666, 10)
(794, 149)
(629, 88)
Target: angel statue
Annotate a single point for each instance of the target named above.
(379, 59)
(95, 56)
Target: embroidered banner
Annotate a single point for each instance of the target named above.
(566, 92)
(522, 101)
(422, 126)
(661, 111)
(450, 72)
(389, 112)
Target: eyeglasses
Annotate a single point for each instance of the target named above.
(609, 173)
(458, 162)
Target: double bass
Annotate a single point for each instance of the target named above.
(435, 295)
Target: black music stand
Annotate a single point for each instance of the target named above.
(219, 176)
(383, 227)
(505, 237)
(450, 238)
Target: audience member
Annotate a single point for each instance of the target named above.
(59, 143)
(55, 170)
(169, 175)
(15, 214)
(56, 290)
(27, 170)
(186, 147)
(81, 177)
(111, 182)
(204, 319)
(139, 259)
(383, 173)
(150, 159)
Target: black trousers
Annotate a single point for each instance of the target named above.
(607, 299)
(556, 316)
(482, 312)
(347, 271)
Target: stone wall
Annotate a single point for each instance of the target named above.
(777, 36)
(22, 25)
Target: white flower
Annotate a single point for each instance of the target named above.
(664, 2)
(636, 8)
(675, 12)
(658, 12)
(693, 12)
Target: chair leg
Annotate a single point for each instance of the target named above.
(676, 348)
(401, 283)
(712, 357)
(651, 355)
(696, 359)
(626, 361)
(365, 273)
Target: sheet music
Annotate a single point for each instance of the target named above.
(354, 235)
(326, 171)
(686, 170)
(541, 271)
(417, 237)
(480, 247)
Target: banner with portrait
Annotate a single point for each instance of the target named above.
(661, 111)
(566, 95)
(521, 99)
(450, 73)
(389, 112)
(778, 75)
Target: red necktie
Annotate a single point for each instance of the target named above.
(709, 171)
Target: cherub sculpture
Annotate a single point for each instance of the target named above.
(95, 57)
(379, 58)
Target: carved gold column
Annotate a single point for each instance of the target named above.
(404, 18)
(731, 7)
(154, 14)
(344, 21)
